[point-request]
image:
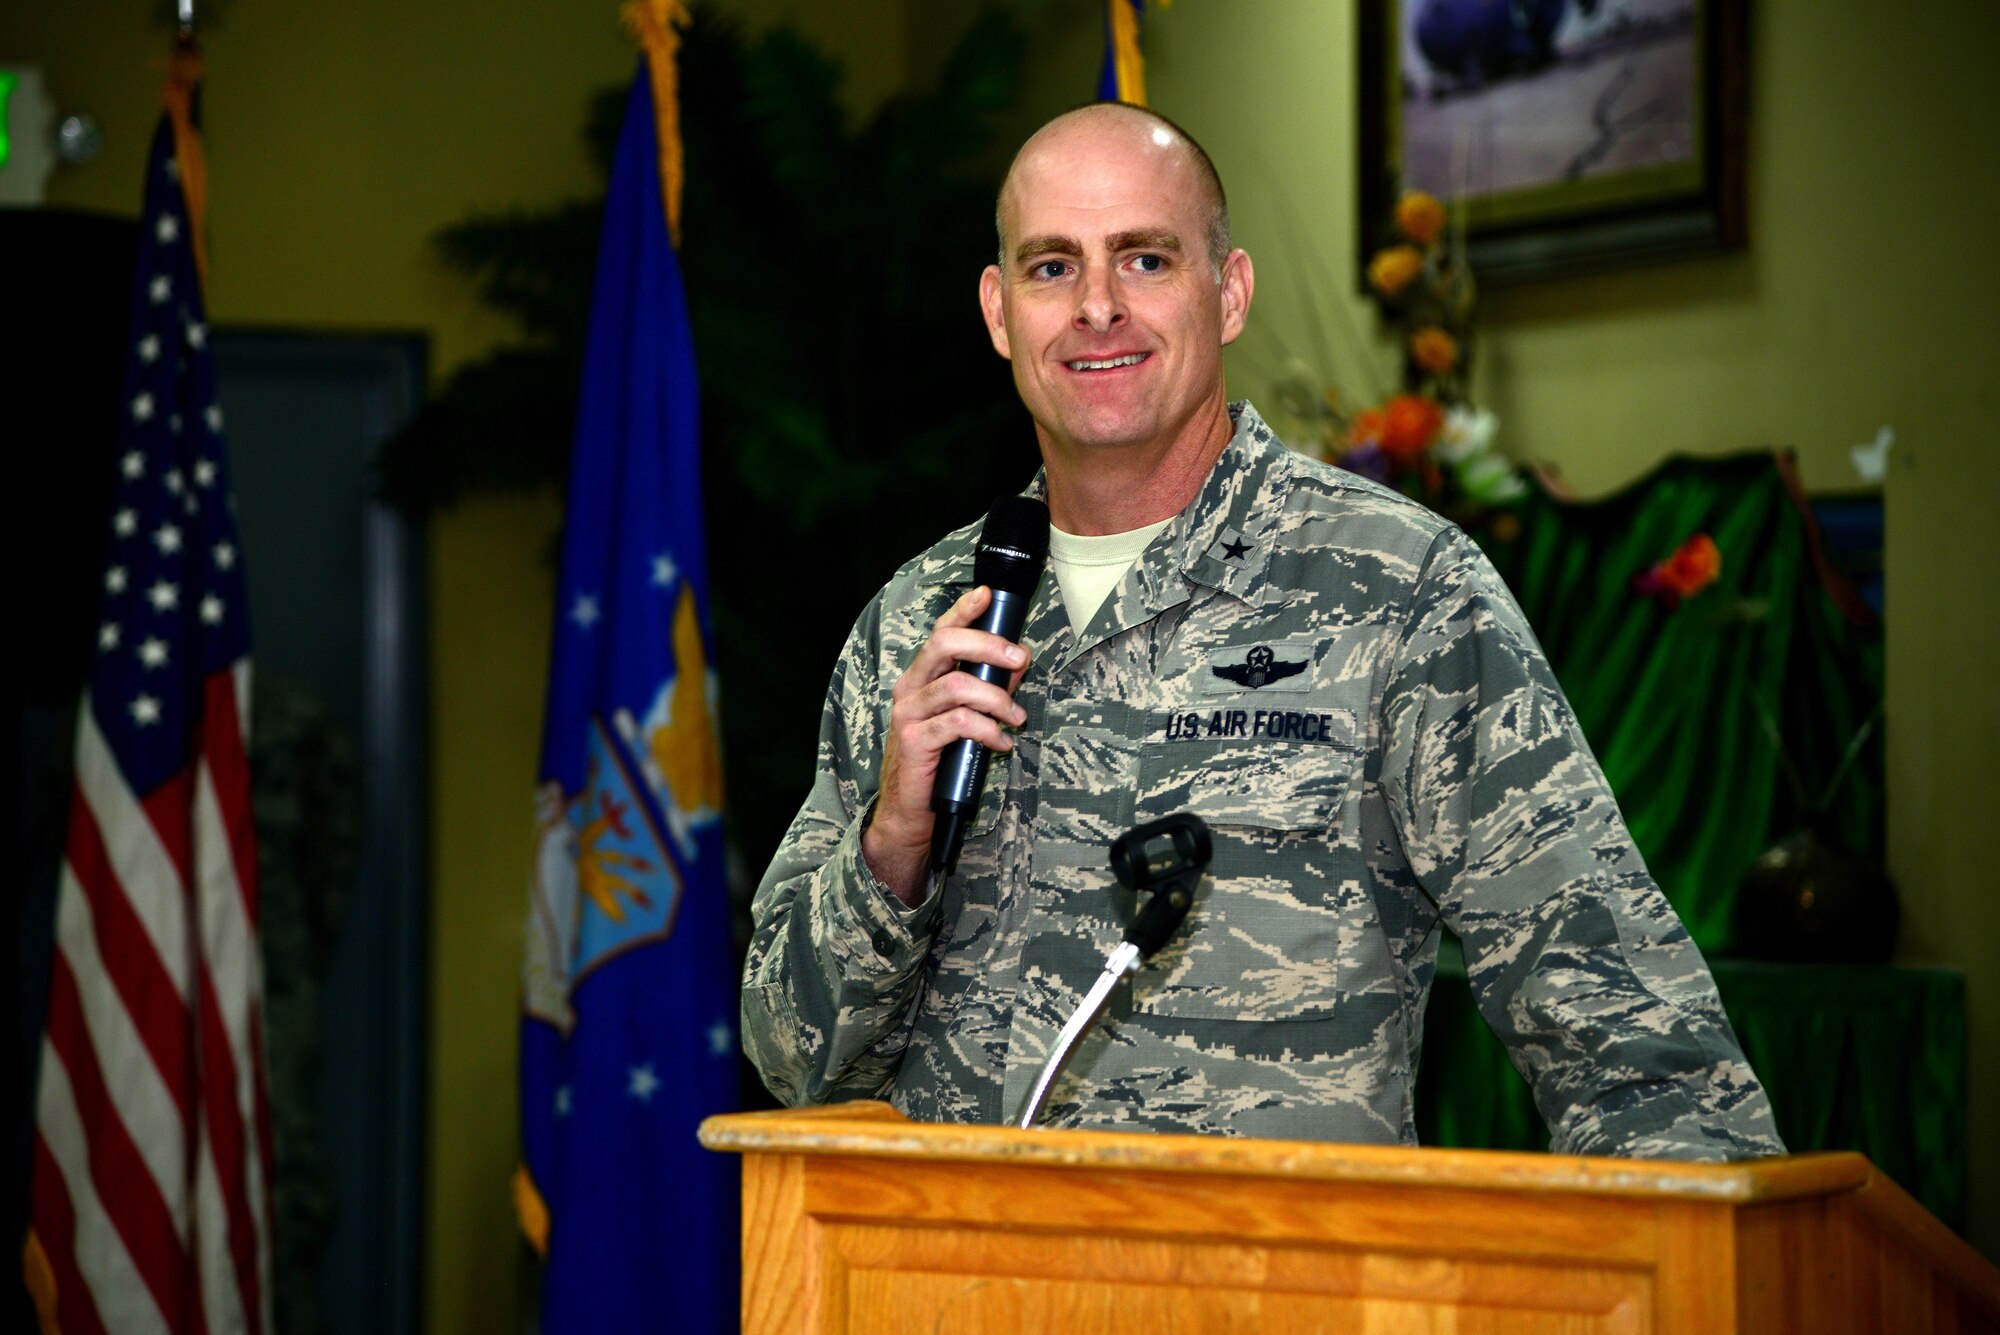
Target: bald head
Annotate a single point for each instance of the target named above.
(1145, 132)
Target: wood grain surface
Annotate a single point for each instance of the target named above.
(856, 1222)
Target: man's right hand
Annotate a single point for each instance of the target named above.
(933, 705)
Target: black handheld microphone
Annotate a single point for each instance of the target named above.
(1013, 548)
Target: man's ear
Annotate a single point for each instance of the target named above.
(1239, 280)
(991, 308)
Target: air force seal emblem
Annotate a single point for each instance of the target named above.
(1260, 667)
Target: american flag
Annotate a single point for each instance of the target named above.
(152, 1149)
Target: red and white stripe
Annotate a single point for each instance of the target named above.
(153, 1140)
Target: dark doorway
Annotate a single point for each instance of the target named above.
(335, 581)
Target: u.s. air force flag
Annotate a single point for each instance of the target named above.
(628, 1038)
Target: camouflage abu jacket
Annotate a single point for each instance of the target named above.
(1336, 680)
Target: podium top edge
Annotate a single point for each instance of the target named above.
(875, 1130)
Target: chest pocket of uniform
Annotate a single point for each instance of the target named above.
(1262, 943)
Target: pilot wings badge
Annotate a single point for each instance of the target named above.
(1261, 667)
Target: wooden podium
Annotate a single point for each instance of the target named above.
(857, 1220)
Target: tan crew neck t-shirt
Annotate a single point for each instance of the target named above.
(1088, 569)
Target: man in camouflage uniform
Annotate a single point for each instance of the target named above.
(1328, 674)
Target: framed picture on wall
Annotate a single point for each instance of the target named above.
(1579, 134)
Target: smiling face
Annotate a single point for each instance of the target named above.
(1108, 304)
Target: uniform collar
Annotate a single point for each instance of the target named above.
(1220, 541)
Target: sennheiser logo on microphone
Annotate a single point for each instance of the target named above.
(1011, 553)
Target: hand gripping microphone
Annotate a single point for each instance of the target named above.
(1013, 548)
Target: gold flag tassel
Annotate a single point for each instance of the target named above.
(1128, 62)
(531, 1211)
(40, 1278)
(656, 25)
(184, 71)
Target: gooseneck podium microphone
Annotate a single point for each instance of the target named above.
(1013, 548)
(1166, 857)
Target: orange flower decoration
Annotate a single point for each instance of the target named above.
(1409, 423)
(1433, 349)
(1368, 426)
(1394, 269)
(1420, 216)
(1695, 564)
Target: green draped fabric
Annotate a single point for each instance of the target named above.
(1680, 704)
(1856, 1057)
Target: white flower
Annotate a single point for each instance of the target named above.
(1466, 432)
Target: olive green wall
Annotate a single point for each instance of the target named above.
(1870, 295)
(342, 136)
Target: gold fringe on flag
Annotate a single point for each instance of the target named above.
(40, 1279)
(531, 1211)
(184, 71)
(655, 25)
